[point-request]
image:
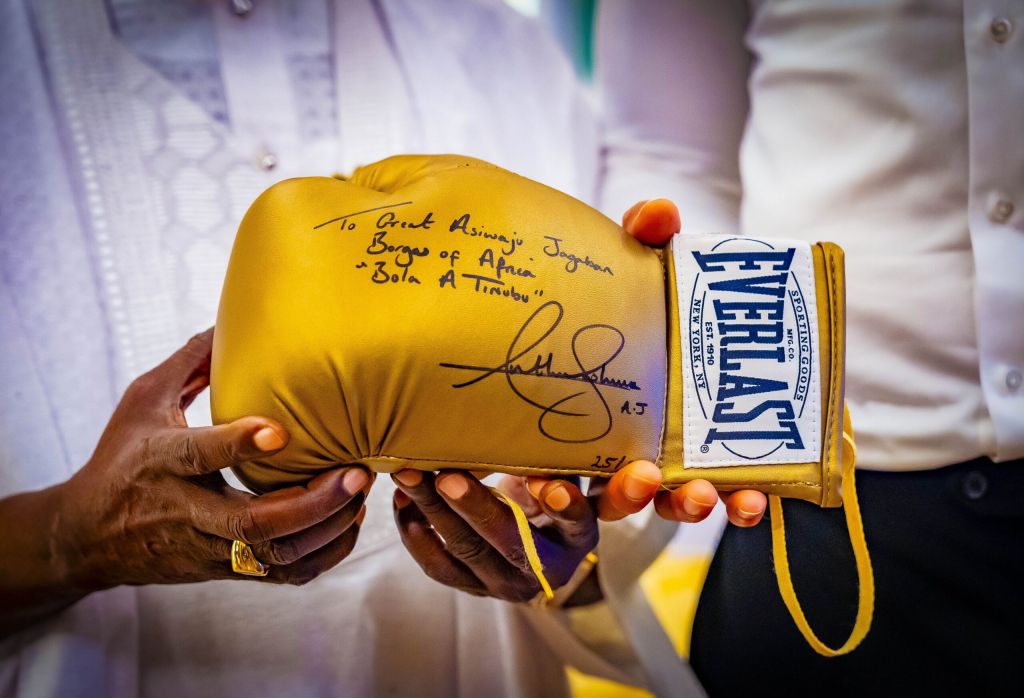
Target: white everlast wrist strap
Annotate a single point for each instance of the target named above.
(749, 338)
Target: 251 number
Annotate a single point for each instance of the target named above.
(608, 462)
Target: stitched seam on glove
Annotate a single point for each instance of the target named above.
(669, 282)
(833, 383)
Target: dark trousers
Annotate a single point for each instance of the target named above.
(947, 547)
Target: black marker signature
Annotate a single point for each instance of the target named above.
(343, 220)
(591, 403)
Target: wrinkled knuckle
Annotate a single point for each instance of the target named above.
(489, 518)
(243, 526)
(469, 548)
(156, 452)
(283, 552)
(217, 548)
(151, 448)
(189, 455)
(431, 506)
(141, 386)
(196, 344)
(225, 451)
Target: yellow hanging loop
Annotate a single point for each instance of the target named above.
(529, 546)
(865, 576)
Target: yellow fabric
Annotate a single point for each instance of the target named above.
(865, 575)
(352, 310)
(322, 327)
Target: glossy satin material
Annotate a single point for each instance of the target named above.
(440, 312)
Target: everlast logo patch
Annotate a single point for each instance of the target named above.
(748, 323)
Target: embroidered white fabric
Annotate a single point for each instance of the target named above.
(132, 148)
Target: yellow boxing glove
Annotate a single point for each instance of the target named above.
(440, 312)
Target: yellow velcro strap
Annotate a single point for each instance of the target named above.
(865, 575)
(529, 546)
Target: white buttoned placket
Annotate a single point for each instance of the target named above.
(995, 76)
(123, 119)
(258, 92)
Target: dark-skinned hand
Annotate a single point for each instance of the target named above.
(465, 537)
(151, 507)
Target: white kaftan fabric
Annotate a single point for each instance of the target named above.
(125, 173)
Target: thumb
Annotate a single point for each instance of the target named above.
(204, 450)
(652, 222)
(175, 382)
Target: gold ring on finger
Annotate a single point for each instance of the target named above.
(243, 561)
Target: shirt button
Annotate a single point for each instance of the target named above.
(1013, 379)
(241, 7)
(1000, 29)
(266, 160)
(1000, 211)
(974, 485)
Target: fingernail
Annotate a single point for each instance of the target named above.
(535, 485)
(747, 515)
(401, 499)
(453, 486)
(694, 507)
(558, 498)
(681, 513)
(637, 488)
(409, 478)
(631, 215)
(355, 480)
(361, 515)
(683, 517)
(267, 439)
